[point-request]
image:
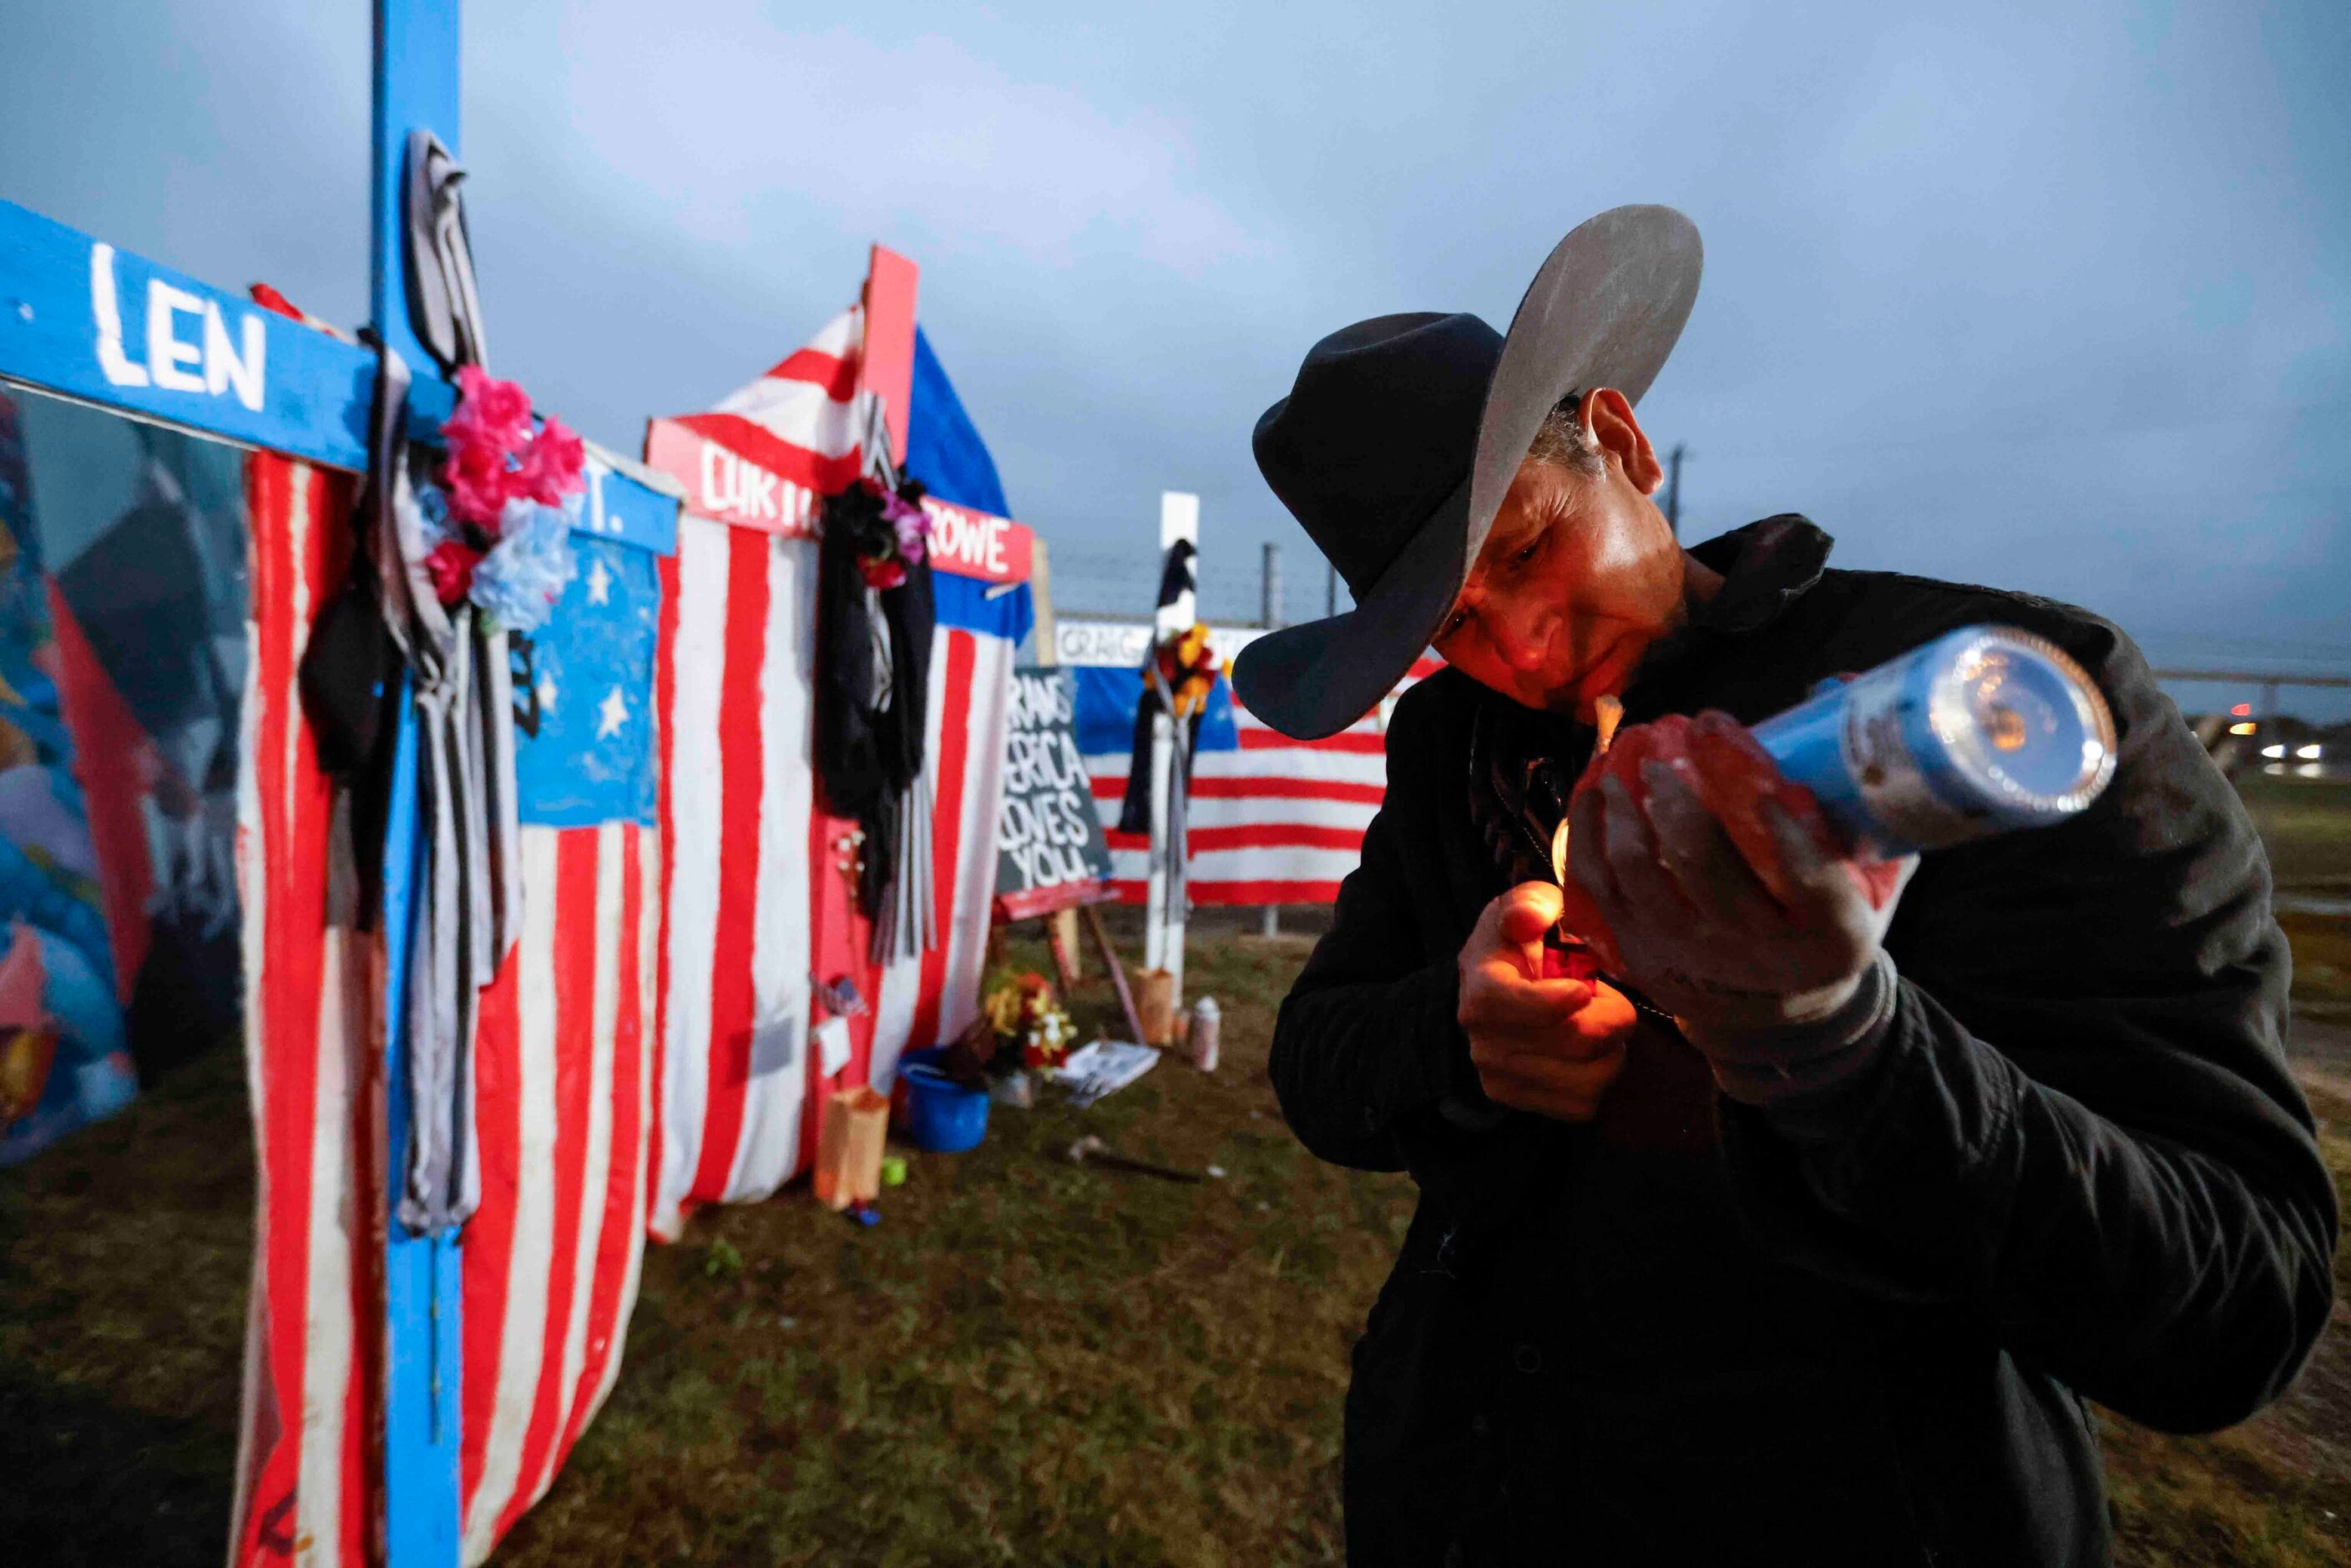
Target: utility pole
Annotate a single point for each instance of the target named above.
(1673, 487)
(1269, 617)
(1165, 897)
(1331, 592)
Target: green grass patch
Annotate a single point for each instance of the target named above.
(2306, 826)
(2322, 965)
(1026, 1360)
(1025, 1357)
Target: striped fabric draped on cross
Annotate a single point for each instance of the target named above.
(737, 790)
(564, 1081)
(563, 1063)
(754, 903)
(309, 1477)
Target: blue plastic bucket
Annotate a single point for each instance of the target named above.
(901, 1089)
(943, 1117)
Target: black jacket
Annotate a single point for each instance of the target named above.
(2078, 1170)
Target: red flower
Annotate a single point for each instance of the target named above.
(478, 491)
(452, 565)
(883, 571)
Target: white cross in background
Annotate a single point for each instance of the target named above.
(600, 583)
(612, 714)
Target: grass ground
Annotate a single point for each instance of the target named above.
(1023, 1352)
(2306, 824)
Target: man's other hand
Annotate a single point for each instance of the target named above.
(1722, 893)
(1551, 1046)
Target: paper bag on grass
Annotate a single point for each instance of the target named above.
(1155, 1001)
(849, 1147)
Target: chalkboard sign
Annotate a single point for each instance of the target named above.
(1050, 852)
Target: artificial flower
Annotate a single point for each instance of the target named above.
(886, 530)
(451, 566)
(494, 411)
(552, 467)
(911, 523)
(1189, 666)
(526, 571)
(495, 458)
(1026, 1022)
(478, 481)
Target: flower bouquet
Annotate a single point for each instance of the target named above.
(1190, 667)
(1021, 1024)
(497, 527)
(888, 528)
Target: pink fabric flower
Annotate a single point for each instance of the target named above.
(492, 423)
(913, 526)
(451, 565)
(552, 465)
(498, 411)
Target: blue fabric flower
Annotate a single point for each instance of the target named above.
(527, 571)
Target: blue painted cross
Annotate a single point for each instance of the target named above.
(81, 319)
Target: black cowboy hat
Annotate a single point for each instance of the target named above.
(1403, 433)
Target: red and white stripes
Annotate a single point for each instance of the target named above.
(1277, 821)
(798, 427)
(564, 1110)
(752, 905)
(309, 1482)
(738, 780)
(733, 684)
(645, 1046)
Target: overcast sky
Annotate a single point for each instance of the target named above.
(2053, 297)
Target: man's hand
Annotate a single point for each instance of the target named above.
(1551, 1046)
(1722, 895)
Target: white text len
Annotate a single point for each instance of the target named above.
(187, 345)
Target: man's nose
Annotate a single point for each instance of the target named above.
(1525, 641)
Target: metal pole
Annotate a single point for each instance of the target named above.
(1269, 616)
(1331, 592)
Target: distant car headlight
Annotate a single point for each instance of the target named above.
(2273, 751)
(2247, 729)
(2306, 752)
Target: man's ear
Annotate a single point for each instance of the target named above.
(1608, 421)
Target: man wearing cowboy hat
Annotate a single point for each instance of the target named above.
(1806, 1238)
